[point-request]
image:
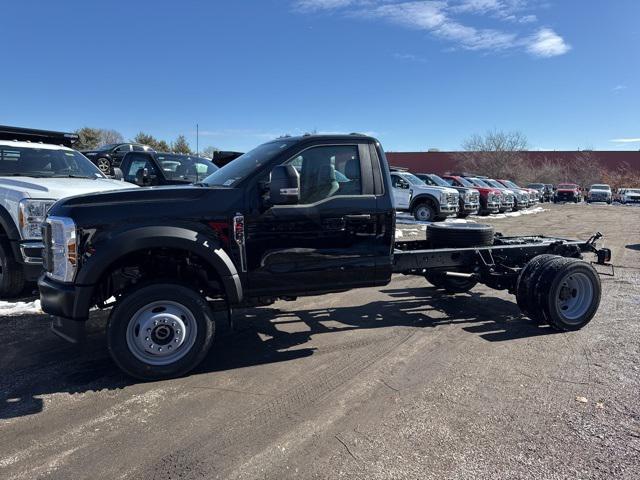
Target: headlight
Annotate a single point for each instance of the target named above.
(31, 213)
(61, 253)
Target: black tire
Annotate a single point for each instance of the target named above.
(124, 334)
(463, 215)
(449, 284)
(525, 286)
(105, 165)
(424, 212)
(11, 273)
(459, 235)
(575, 281)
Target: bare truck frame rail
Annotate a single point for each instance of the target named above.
(551, 282)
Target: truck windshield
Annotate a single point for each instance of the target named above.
(600, 187)
(236, 170)
(412, 179)
(493, 183)
(45, 162)
(185, 167)
(478, 183)
(566, 186)
(437, 180)
(510, 184)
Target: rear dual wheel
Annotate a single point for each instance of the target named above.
(563, 292)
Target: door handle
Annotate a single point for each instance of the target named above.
(362, 216)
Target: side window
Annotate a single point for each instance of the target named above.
(398, 182)
(138, 148)
(123, 149)
(138, 162)
(328, 171)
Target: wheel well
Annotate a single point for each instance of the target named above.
(424, 199)
(153, 264)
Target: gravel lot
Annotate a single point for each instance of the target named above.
(397, 382)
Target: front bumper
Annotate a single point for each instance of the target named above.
(68, 304)
(448, 209)
(507, 205)
(469, 207)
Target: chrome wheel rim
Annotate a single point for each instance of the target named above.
(574, 297)
(423, 214)
(103, 165)
(161, 333)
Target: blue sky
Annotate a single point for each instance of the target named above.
(417, 74)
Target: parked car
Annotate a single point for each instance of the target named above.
(179, 260)
(545, 193)
(506, 195)
(630, 195)
(107, 157)
(37, 168)
(600, 192)
(151, 168)
(469, 198)
(425, 202)
(523, 197)
(567, 192)
(490, 198)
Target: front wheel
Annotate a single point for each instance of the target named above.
(160, 331)
(11, 274)
(104, 164)
(424, 212)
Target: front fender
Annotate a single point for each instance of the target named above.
(424, 197)
(108, 250)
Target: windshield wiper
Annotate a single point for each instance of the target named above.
(71, 175)
(14, 174)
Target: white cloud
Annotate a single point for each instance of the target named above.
(618, 88)
(625, 140)
(528, 19)
(409, 57)
(311, 5)
(441, 18)
(547, 43)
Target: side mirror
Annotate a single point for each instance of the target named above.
(142, 177)
(284, 188)
(117, 174)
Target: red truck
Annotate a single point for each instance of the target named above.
(490, 198)
(567, 192)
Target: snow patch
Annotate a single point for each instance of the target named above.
(20, 308)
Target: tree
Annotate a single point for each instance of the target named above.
(497, 154)
(181, 145)
(209, 151)
(89, 138)
(108, 136)
(162, 146)
(146, 139)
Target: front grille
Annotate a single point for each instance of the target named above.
(451, 198)
(474, 198)
(47, 254)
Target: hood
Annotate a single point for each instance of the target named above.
(57, 188)
(149, 204)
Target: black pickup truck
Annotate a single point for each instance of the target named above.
(296, 216)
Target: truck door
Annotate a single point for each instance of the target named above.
(328, 240)
(401, 192)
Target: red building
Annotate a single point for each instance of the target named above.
(441, 162)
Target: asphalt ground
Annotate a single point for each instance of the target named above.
(399, 382)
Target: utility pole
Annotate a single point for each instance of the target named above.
(197, 140)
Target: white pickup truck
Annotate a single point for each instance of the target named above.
(427, 203)
(37, 168)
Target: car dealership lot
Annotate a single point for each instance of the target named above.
(396, 382)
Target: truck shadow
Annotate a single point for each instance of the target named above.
(36, 363)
